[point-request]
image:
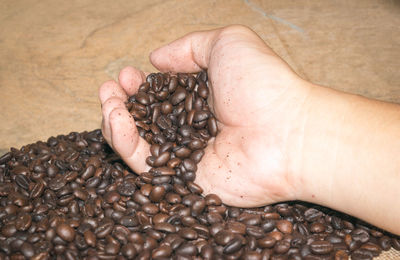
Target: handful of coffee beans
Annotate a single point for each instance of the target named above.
(72, 197)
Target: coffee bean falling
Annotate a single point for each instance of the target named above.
(72, 197)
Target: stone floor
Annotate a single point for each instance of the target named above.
(55, 54)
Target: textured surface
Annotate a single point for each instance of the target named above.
(55, 54)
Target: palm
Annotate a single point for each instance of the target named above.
(246, 165)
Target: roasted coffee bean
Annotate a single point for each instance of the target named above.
(317, 227)
(284, 226)
(360, 235)
(361, 254)
(66, 232)
(178, 96)
(281, 247)
(321, 247)
(385, 243)
(312, 214)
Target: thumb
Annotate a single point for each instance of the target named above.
(189, 54)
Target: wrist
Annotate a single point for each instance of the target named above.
(315, 143)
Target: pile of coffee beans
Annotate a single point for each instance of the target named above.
(72, 197)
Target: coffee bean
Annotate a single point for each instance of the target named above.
(233, 246)
(317, 227)
(90, 238)
(312, 214)
(202, 89)
(5, 158)
(385, 243)
(282, 246)
(127, 221)
(361, 254)
(104, 228)
(321, 247)
(360, 235)
(284, 226)
(23, 222)
(66, 232)
(266, 242)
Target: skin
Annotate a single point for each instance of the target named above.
(281, 138)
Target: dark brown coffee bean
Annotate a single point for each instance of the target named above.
(189, 102)
(22, 181)
(57, 183)
(173, 163)
(157, 193)
(321, 247)
(312, 214)
(281, 247)
(165, 227)
(255, 231)
(104, 228)
(163, 171)
(213, 218)
(360, 235)
(183, 152)
(189, 165)
(202, 90)
(194, 188)
(233, 246)
(173, 83)
(166, 107)
(284, 226)
(385, 243)
(23, 222)
(373, 248)
(142, 98)
(112, 248)
(341, 255)
(162, 159)
(150, 208)
(361, 254)
(317, 227)
(127, 221)
(187, 249)
(190, 116)
(223, 237)
(90, 238)
(200, 116)
(266, 242)
(112, 196)
(8, 230)
(162, 251)
(5, 158)
(66, 232)
(178, 96)
(37, 190)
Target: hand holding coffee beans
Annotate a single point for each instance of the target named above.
(280, 137)
(72, 197)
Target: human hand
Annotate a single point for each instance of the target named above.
(256, 98)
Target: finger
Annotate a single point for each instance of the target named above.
(111, 89)
(107, 107)
(130, 79)
(126, 140)
(191, 53)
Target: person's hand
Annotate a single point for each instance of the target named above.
(256, 98)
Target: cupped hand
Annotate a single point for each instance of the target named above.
(257, 100)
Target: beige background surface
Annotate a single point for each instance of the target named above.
(55, 54)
